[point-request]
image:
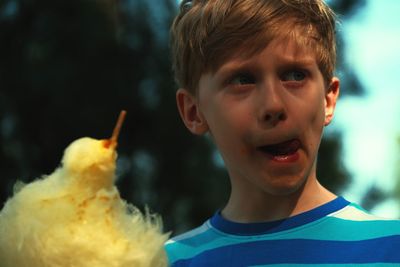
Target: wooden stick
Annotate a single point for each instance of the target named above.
(117, 128)
(114, 137)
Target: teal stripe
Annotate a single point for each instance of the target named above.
(331, 228)
(328, 228)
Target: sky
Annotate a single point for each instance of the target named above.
(371, 124)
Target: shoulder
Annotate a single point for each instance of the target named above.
(354, 212)
(189, 236)
(362, 223)
(189, 243)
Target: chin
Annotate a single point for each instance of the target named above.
(286, 187)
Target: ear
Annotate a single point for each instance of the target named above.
(331, 97)
(190, 113)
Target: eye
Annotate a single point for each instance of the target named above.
(242, 79)
(293, 76)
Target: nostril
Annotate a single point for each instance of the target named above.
(279, 116)
(282, 116)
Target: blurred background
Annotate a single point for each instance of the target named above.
(67, 68)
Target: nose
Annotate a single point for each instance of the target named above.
(271, 108)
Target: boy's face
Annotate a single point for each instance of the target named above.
(266, 115)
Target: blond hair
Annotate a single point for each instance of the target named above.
(207, 32)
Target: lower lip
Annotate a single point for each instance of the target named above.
(285, 158)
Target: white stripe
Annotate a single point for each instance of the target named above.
(199, 230)
(353, 213)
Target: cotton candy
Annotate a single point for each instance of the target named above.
(75, 217)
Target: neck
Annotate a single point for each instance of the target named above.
(261, 206)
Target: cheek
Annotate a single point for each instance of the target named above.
(228, 118)
(311, 119)
(229, 129)
(315, 110)
(317, 116)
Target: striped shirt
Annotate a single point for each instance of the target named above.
(338, 233)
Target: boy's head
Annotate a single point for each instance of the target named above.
(208, 32)
(257, 75)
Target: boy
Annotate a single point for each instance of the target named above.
(257, 75)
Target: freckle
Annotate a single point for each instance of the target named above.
(243, 151)
(86, 202)
(104, 198)
(108, 211)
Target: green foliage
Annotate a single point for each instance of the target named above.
(68, 67)
(330, 169)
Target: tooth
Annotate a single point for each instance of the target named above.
(282, 157)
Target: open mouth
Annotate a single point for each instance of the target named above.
(282, 151)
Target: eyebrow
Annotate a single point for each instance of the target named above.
(238, 65)
(301, 62)
(234, 66)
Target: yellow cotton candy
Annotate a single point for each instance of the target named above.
(75, 217)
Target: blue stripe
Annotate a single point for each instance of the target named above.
(229, 227)
(301, 251)
(330, 265)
